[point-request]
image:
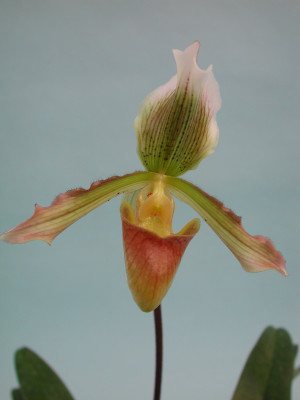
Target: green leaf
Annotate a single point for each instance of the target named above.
(269, 370)
(297, 372)
(37, 380)
(16, 394)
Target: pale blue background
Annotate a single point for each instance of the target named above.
(73, 74)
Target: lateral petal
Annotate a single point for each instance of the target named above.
(48, 222)
(255, 253)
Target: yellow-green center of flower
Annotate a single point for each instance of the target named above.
(155, 208)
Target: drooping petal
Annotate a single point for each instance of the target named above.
(176, 124)
(255, 253)
(47, 222)
(151, 260)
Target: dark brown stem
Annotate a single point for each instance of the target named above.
(159, 352)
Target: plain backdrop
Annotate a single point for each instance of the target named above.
(73, 74)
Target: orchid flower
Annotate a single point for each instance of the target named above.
(176, 128)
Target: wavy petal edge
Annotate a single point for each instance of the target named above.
(255, 253)
(176, 124)
(48, 222)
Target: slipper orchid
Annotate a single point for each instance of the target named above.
(176, 128)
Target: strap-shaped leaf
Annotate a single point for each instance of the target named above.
(37, 380)
(16, 394)
(269, 370)
(255, 253)
(48, 222)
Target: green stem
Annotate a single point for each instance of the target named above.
(159, 352)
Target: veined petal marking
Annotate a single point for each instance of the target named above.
(176, 124)
(255, 253)
(47, 222)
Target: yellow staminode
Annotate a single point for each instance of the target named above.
(155, 209)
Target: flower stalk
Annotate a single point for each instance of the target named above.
(159, 352)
